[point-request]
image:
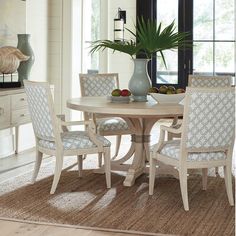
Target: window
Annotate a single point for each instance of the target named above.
(212, 26)
(213, 37)
(85, 28)
(91, 32)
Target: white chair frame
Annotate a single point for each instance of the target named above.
(182, 164)
(87, 116)
(58, 127)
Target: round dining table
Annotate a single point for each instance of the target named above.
(140, 116)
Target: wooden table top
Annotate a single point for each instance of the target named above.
(102, 105)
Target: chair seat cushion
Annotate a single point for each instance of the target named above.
(172, 150)
(112, 124)
(74, 140)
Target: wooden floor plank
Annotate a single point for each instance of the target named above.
(11, 228)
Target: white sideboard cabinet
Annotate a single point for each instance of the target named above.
(13, 110)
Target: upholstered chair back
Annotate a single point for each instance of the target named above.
(40, 106)
(98, 84)
(209, 118)
(209, 81)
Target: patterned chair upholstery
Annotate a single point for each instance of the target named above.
(209, 81)
(102, 85)
(50, 138)
(203, 81)
(207, 138)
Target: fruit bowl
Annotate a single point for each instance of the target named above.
(119, 99)
(168, 98)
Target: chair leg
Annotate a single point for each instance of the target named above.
(80, 164)
(184, 187)
(228, 183)
(107, 164)
(118, 141)
(99, 159)
(152, 174)
(38, 161)
(57, 173)
(204, 178)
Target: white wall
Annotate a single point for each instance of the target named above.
(37, 26)
(55, 49)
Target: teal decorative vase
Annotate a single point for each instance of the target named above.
(140, 82)
(25, 66)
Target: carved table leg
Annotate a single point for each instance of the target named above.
(141, 143)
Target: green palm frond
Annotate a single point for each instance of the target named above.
(153, 39)
(128, 47)
(149, 39)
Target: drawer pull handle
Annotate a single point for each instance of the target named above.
(22, 99)
(22, 115)
(1, 111)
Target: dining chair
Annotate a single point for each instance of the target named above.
(53, 137)
(202, 81)
(207, 138)
(92, 85)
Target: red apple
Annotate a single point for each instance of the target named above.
(125, 93)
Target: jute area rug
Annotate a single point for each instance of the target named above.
(86, 202)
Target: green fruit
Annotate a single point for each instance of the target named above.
(180, 90)
(153, 90)
(172, 88)
(163, 89)
(170, 92)
(116, 92)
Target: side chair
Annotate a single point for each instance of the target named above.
(53, 138)
(207, 140)
(95, 85)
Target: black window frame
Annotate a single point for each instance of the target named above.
(147, 10)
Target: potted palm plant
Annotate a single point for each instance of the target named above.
(148, 41)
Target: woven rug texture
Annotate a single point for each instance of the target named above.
(86, 202)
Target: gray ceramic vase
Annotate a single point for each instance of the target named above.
(140, 82)
(25, 66)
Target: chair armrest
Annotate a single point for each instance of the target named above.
(172, 129)
(176, 122)
(64, 124)
(157, 147)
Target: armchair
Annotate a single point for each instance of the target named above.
(53, 138)
(207, 138)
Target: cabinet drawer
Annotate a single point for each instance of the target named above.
(20, 116)
(18, 101)
(4, 111)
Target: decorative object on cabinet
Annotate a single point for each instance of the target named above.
(10, 58)
(25, 66)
